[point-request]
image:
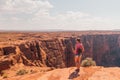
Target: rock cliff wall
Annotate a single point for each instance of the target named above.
(41, 53)
(105, 49)
(57, 52)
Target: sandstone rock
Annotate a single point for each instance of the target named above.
(5, 64)
(88, 73)
(1, 52)
(8, 50)
(57, 52)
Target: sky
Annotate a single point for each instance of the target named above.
(59, 15)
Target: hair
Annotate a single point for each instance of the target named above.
(78, 39)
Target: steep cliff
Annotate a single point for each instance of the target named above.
(33, 53)
(104, 49)
(57, 52)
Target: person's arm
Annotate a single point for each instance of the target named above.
(83, 48)
(74, 50)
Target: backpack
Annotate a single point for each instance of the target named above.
(79, 50)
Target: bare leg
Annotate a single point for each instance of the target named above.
(79, 61)
(76, 61)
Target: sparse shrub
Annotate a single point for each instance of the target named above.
(5, 76)
(33, 71)
(1, 73)
(22, 72)
(88, 62)
(52, 68)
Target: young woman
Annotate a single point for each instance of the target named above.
(79, 49)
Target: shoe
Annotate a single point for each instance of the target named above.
(77, 70)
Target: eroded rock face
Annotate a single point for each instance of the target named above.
(54, 53)
(36, 53)
(5, 64)
(104, 49)
(57, 52)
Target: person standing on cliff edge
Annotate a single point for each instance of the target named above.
(79, 49)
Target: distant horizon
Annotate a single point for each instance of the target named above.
(52, 30)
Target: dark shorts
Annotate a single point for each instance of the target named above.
(77, 54)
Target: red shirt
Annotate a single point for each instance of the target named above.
(78, 45)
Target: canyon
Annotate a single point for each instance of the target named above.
(54, 49)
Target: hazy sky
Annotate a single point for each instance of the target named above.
(59, 14)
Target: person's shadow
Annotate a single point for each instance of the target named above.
(73, 75)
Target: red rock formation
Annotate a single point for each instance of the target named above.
(104, 49)
(36, 53)
(57, 52)
(5, 64)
